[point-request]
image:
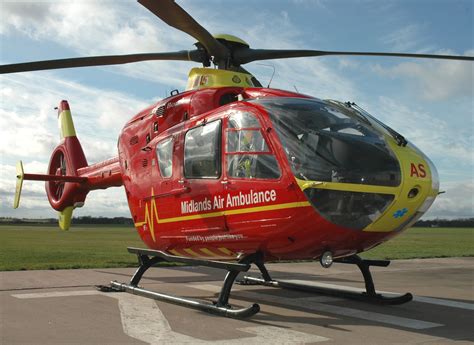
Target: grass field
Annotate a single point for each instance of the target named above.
(46, 247)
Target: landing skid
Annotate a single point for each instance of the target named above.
(370, 295)
(148, 258)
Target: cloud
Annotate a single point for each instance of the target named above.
(436, 137)
(435, 80)
(94, 28)
(16, 14)
(404, 39)
(29, 130)
(97, 28)
(33, 194)
(457, 202)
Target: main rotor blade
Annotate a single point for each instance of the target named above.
(184, 55)
(173, 15)
(245, 55)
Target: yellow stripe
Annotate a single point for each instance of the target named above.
(193, 217)
(348, 187)
(225, 251)
(267, 208)
(191, 252)
(174, 252)
(208, 252)
(218, 214)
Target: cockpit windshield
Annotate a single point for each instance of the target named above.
(325, 141)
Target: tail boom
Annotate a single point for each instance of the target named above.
(102, 175)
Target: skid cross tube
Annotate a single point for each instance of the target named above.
(370, 295)
(148, 258)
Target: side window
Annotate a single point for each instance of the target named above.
(202, 151)
(164, 151)
(247, 153)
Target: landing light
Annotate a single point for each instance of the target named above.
(326, 259)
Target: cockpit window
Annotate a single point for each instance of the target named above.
(247, 152)
(202, 151)
(323, 141)
(241, 119)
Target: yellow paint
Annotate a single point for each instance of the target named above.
(208, 77)
(65, 217)
(205, 251)
(231, 38)
(226, 251)
(191, 252)
(192, 217)
(150, 220)
(66, 124)
(385, 221)
(349, 187)
(267, 208)
(20, 174)
(150, 216)
(208, 252)
(174, 252)
(406, 155)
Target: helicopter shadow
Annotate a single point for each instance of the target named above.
(283, 307)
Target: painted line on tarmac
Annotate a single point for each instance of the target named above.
(444, 302)
(142, 319)
(429, 300)
(217, 289)
(56, 294)
(316, 304)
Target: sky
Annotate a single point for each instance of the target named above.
(430, 102)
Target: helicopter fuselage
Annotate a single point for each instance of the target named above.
(227, 171)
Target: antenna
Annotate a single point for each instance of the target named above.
(296, 88)
(268, 65)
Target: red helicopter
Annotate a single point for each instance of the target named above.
(228, 173)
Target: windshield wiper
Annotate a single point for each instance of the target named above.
(401, 141)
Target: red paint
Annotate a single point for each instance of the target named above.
(63, 105)
(413, 170)
(285, 232)
(422, 170)
(418, 171)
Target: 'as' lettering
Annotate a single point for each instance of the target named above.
(418, 171)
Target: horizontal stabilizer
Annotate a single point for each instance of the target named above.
(19, 183)
(20, 176)
(57, 178)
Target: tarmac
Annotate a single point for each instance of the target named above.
(63, 307)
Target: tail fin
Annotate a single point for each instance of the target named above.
(65, 189)
(63, 196)
(69, 178)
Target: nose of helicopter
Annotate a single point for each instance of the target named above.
(416, 193)
(377, 208)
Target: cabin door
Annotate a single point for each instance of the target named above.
(202, 218)
(259, 196)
